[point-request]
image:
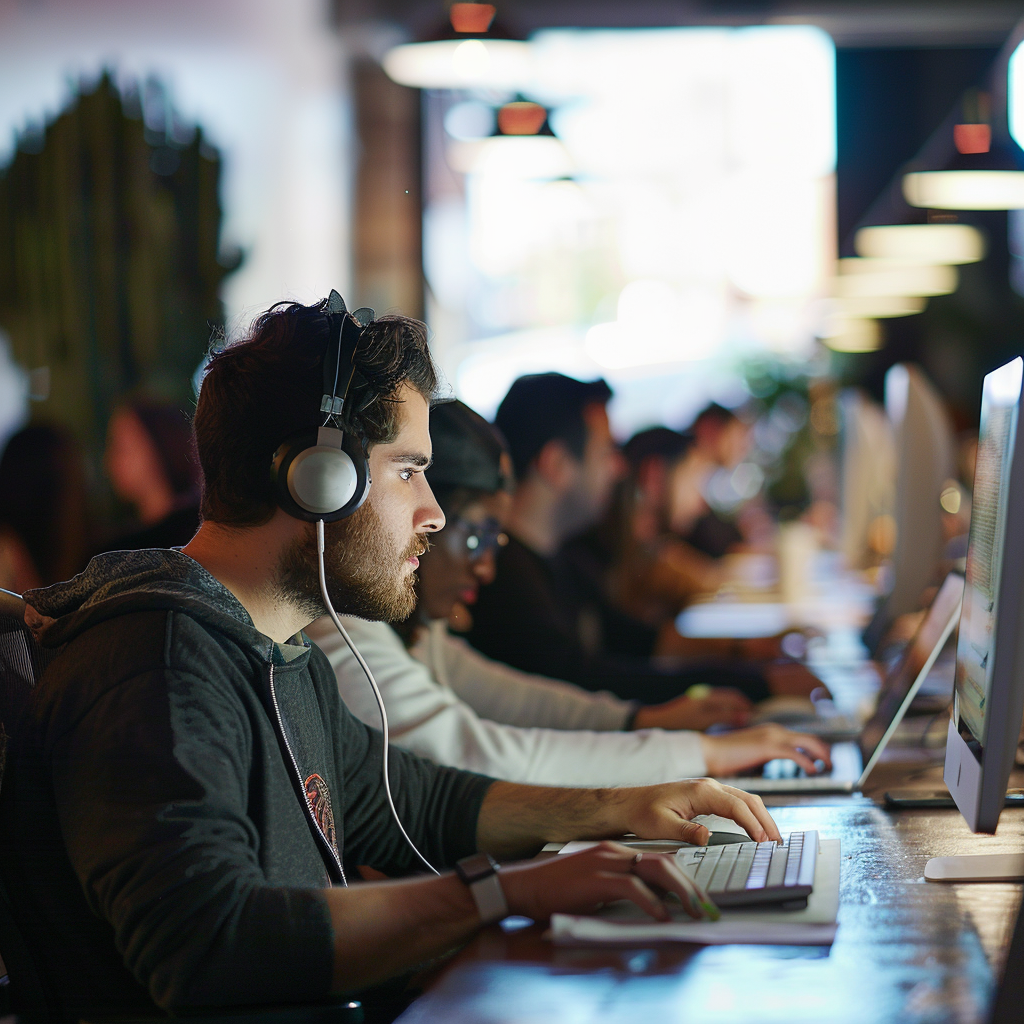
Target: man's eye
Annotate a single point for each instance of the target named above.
(406, 474)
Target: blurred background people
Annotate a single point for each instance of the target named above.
(45, 520)
(447, 702)
(721, 439)
(546, 611)
(651, 571)
(151, 464)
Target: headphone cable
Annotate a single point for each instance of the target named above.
(373, 686)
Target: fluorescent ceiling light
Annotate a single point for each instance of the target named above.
(921, 243)
(965, 190)
(869, 277)
(879, 306)
(854, 334)
(461, 64)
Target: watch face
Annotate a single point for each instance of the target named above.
(475, 867)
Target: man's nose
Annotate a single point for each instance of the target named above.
(428, 518)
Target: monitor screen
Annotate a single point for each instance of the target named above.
(974, 660)
(918, 656)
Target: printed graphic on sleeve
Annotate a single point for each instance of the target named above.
(319, 798)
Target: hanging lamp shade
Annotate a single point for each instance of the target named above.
(921, 243)
(985, 172)
(521, 145)
(473, 50)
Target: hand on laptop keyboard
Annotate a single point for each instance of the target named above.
(731, 753)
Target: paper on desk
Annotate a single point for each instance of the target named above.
(623, 923)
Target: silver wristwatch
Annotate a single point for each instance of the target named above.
(480, 873)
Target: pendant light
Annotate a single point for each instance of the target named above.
(472, 51)
(521, 145)
(986, 171)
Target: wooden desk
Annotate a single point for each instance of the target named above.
(907, 950)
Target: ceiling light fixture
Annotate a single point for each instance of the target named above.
(862, 277)
(472, 51)
(921, 243)
(984, 174)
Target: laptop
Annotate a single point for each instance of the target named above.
(853, 762)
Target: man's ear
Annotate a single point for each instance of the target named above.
(556, 466)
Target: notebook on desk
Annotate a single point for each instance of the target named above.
(852, 763)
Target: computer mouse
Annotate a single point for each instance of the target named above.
(722, 838)
(723, 830)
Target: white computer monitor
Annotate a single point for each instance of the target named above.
(868, 481)
(988, 695)
(926, 462)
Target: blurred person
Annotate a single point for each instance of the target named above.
(543, 613)
(447, 702)
(187, 801)
(652, 572)
(44, 508)
(722, 440)
(151, 463)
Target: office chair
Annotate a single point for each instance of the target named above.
(22, 662)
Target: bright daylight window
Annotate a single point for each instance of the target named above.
(680, 217)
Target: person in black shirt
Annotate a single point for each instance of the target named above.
(546, 611)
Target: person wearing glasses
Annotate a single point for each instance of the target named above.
(448, 702)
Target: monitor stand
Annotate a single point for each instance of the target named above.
(978, 867)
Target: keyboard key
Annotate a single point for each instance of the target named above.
(744, 862)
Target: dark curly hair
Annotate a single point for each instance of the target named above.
(259, 391)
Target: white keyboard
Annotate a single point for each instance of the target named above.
(741, 874)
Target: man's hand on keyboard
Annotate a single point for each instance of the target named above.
(750, 748)
(579, 883)
(664, 812)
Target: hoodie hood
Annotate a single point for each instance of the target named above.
(128, 581)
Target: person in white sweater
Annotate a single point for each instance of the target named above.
(448, 702)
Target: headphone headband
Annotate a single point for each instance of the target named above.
(340, 358)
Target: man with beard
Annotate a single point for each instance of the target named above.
(186, 799)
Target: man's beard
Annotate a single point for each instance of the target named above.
(365, 573)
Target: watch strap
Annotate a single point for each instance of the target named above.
(480, 874)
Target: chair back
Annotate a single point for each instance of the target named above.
(22, 662)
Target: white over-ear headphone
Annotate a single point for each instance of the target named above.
(322, 472)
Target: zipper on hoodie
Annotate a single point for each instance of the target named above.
(325, 842)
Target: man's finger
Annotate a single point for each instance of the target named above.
(796, 754)
(814, 746)
(757, 808)
(745, 809)
(693, 832)
(631, 887)
(665, 873)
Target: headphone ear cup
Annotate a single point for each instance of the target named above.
(313, 481)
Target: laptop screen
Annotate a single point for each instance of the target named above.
(901, 677)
